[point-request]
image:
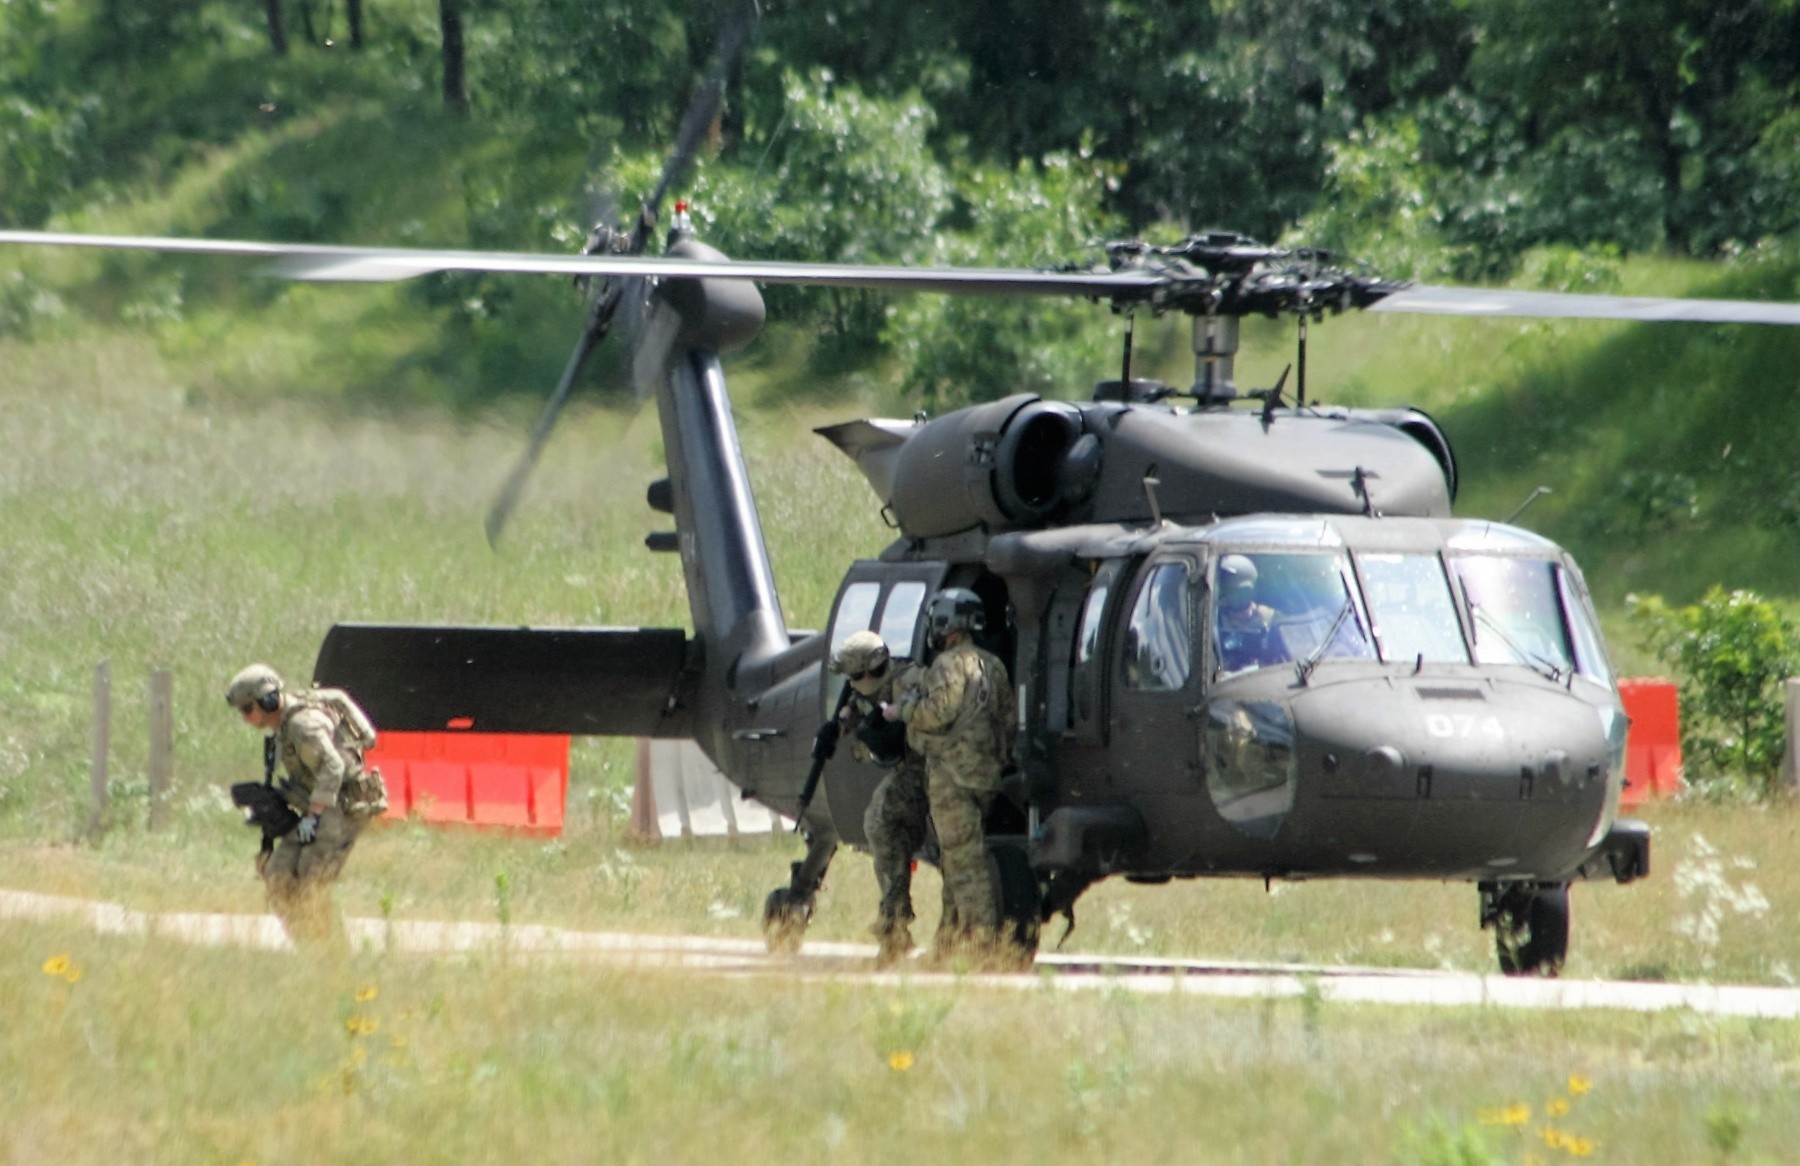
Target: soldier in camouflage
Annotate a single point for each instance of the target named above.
(319, 738)
(895, 821)
(962, 720)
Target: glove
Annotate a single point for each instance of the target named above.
(308, 829)
(825, 741)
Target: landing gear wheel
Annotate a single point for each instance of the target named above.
(1531, 929)
(784, 921)
(1021, 906)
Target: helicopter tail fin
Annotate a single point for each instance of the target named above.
(730, 584)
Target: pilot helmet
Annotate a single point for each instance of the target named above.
(863, 657)
(1237, 579)
(954, 609)
(258, 684)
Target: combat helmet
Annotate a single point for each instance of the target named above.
(862, 655)
(259, 683)
(1237, 577)
(954, 609)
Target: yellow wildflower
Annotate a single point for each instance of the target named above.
(1579, 1084)
(1512, 1115)
(358, 1056)
(900, 1060)
(57, 965)
(363, 1025)
(1580, 1147)
(1557, 1108)
(364, 995)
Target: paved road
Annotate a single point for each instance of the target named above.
(1064, 972)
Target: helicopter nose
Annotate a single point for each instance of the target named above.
(1480, 743)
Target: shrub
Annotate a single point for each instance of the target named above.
(1731, 653)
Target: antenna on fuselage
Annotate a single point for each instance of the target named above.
(1151, 482)
(1300, 382)
(1529, 499)
(1125, 357)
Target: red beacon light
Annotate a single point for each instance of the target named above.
(681, 222)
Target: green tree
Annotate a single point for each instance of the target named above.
(841, 177)
(1731, 653)
(955, 350)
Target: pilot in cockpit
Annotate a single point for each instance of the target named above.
(1243, 631)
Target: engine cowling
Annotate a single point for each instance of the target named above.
(1017, 463)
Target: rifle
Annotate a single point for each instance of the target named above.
(824, 746)
(263, 804)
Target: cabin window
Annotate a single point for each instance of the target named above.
(856, 611)
(1412, 610)
(1514, 612)
(1160, 643)
(1281, 608)
(900, 616)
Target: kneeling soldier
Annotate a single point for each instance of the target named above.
(320, 737)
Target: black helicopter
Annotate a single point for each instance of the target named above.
(1419, 696)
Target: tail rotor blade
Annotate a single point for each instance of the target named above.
(699, 115)
(629, 292)
(514, 489)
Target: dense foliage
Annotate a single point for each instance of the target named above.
(1732, 652)
(1431, 135)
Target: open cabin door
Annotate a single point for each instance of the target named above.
(888, 599)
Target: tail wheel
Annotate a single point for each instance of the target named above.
(1021, 905)
(1531, 930)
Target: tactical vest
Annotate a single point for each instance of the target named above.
(363, 794)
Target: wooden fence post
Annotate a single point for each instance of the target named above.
(162, 745)
(102, 746)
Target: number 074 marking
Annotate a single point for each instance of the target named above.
(1464, 725)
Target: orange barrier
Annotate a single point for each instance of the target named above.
(1653, 748)
(516, 780)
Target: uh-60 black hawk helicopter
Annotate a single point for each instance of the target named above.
(1402, 694)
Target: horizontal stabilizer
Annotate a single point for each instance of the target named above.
(579, 681)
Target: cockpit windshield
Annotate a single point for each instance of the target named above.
(1415, 617)
(1413, 607)
(1285, 608)
(1515, 612)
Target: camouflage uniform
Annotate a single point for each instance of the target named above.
(319, 739)
(963, 724)
(895, 821)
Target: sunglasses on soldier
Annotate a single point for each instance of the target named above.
(870, 674)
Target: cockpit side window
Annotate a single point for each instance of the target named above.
(1283, 608)
(1159, 646)
(1515, 613)
(1590, 655)
(1412, 609)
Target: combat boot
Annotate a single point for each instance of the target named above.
(893, 939)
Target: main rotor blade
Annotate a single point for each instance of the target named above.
(322, 262)
(1474, 301)
(514, 489)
